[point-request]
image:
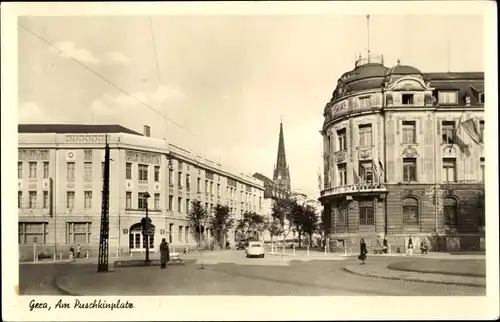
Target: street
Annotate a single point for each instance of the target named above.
(231, 273)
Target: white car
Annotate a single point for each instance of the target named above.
(255, 249)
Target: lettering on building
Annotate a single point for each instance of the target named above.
(85, 138)
(33, 155)
(142, 157)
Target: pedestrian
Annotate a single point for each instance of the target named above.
(227, 245)
(164, 253)
(385, 244)
(410, 246)
(78, 250)
(362, 251)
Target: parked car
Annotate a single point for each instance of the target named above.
(242, 244)
(255, 249)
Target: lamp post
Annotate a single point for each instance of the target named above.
(147, 228)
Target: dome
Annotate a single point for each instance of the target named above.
(364, 71)
(403, 70)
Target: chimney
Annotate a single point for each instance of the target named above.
(147, 131)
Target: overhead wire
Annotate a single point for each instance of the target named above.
(105, 79)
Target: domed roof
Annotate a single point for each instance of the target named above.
(364, 71)
(403, 70)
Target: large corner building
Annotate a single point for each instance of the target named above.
(60, 171)
(404, 156)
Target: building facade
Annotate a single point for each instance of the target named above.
(399, 159)
(60, 171)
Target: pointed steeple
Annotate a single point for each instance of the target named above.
(281, 175)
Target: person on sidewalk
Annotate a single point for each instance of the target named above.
(385, 244)
(362, 251)
(164, 253)
(78, 251)
(410, 246)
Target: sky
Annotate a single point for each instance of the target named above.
(227, 80)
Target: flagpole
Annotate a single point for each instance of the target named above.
(456, 130)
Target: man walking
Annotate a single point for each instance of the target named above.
(164, 254)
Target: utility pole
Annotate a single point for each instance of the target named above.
(102, 265)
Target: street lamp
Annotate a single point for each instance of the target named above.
(146, 229)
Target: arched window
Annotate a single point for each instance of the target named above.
(450, 206)
(411, 213)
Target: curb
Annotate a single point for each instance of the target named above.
(435, 272)
(141, 263)
(413, 279)
(62, 289)
(64, 261)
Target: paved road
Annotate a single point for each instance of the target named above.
(231, 273)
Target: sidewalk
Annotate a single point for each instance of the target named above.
(380, 270)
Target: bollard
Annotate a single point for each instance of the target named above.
(60, 255)
(293, 250)
(389, 247)
(86, 254)
(55, 257)
(307, 250)
(325, 250)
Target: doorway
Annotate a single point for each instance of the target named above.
(137, 241)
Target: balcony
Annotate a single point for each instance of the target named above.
(355, 188)
(340, 156)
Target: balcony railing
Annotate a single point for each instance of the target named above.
(32, 183)
(355, 188)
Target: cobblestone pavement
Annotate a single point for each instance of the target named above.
(231, 273)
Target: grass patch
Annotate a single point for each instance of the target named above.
(462, 267)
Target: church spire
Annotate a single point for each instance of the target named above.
(281, 175)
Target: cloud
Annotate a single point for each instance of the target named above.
(31, 113)
(80, 54)
(117, 57)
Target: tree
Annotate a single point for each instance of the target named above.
(297, 219)
(197, 219)
(250, 222)
(220, 223)
(281, 211)
(310, 221)
(274, 228)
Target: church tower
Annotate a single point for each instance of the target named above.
(281, 175)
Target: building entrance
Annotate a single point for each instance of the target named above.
(137, 241)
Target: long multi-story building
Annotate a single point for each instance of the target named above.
(60, 173)
(403, 156)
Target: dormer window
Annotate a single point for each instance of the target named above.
(407, 99)
(481, 98)
(448, 97)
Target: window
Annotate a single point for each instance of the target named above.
(365, 135)
(128, 200)
(45, 170)
(32, 170)
(45, 199)
(28, 231)
(366, 171)
(19, 199)
(450, 207)
(218, 189)
(211, 188)
(409, 169)
(198, 184)
(87, 154)
(447, 97)
(188, 181)
(342, 174)
(170, 232)
(447, 132)
(179, 179)
(187, 206)
(482, 169)
(206, 186)
(341, 137)
(481, 98)
(180, 233)
(128, 170)
(481, 130)
(179, 204)
(365, 101)
(409, 130)
(141, 200)
(70, 170)
(407, 99)
(342, 219)
(186, 234)
(70, 199)
(32, 199)
(170, 177)
(366, 212)
(88, 199)
(260, 202)
(410, 211)
(87, 171)
(78, 232)
(449, 170)
(171, 203)
(143, 172)
(19, 170)
(157, 201)
(157, 173)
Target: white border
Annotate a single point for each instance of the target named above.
(240, 307)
